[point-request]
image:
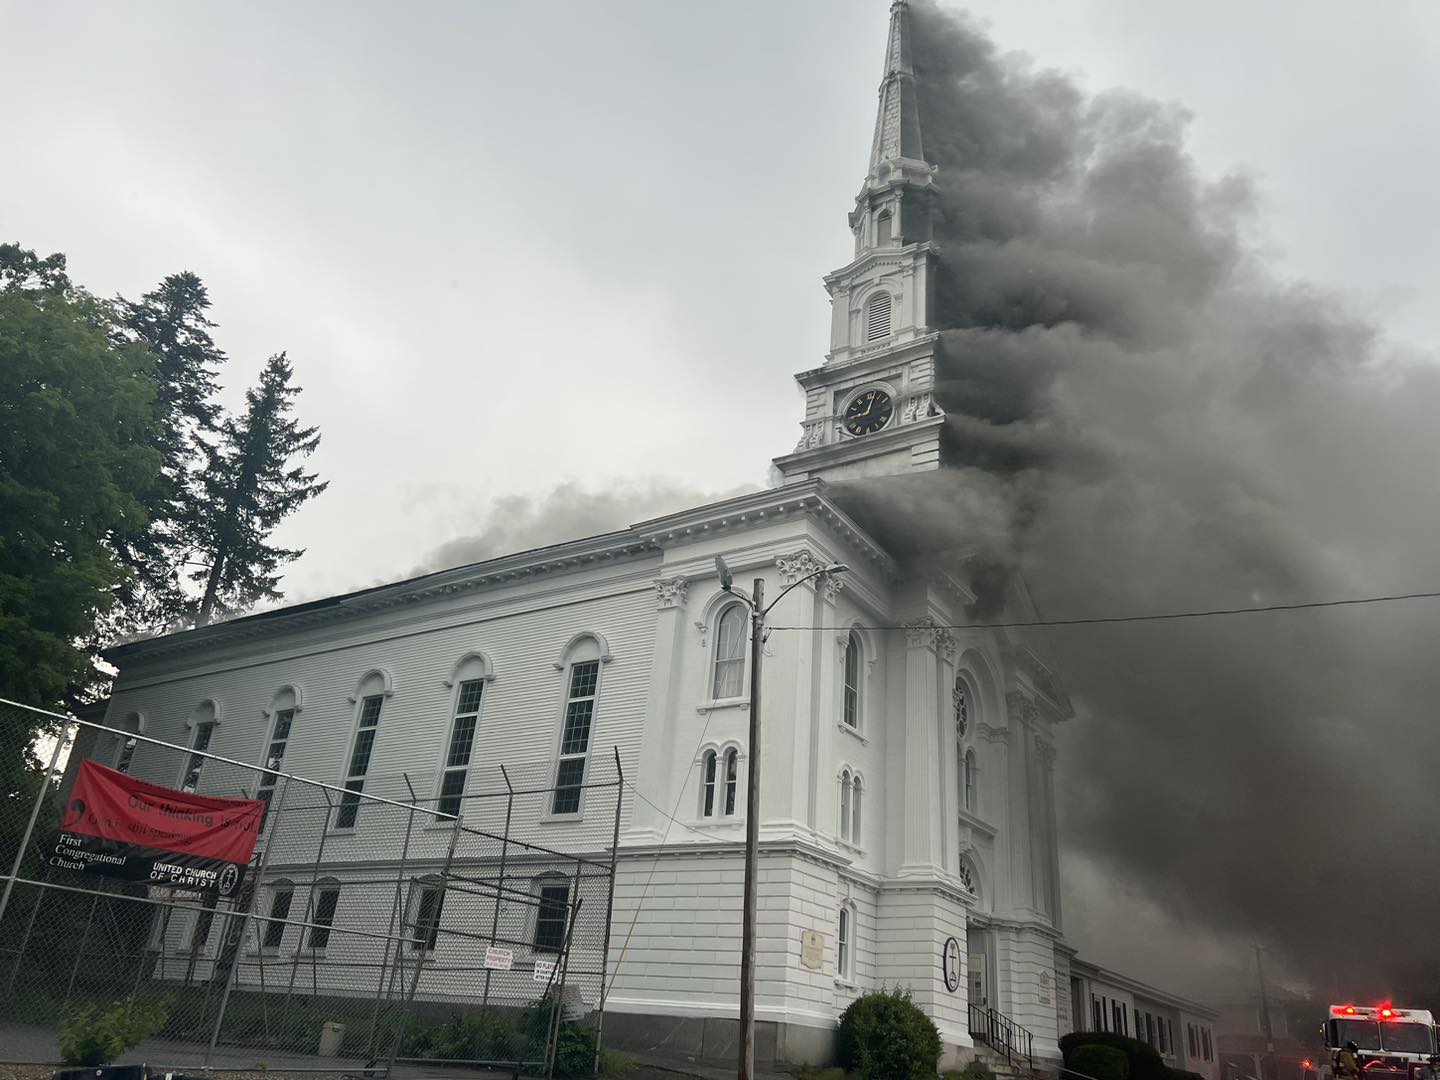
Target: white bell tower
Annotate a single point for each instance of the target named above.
(870, 410)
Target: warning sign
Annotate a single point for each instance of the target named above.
(499, 959)
(543, 970)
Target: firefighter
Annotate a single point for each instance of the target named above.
(1347, 1062)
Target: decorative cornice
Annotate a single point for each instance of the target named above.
(671, 592)
(646, 538)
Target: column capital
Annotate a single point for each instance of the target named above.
(671, 592)
(925, 634)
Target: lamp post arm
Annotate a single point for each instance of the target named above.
(797, 584)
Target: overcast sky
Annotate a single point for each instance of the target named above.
(511, 245)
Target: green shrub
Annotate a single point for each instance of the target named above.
(1099, 1062)
(91, 1037)
(575, 1051)
(885, 1036)
(1145, 1061)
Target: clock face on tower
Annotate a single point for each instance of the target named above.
(868, 413)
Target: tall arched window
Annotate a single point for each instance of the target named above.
(877, 317)
(581, 695)
(280, 900)
(708, 767)
(456, 767)
(845, 942)
(125, 752)
(883, 228)
(852, 680)
(369, 701)
(845, 792)
(855, 811)
(729, 679)
(968, 767)
(732, 780)
(203, 724)
(282, 713)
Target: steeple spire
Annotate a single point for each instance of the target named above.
(897, 125)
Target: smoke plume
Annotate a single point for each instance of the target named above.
(1146, 418)
(518, 522)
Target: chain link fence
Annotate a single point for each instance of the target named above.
(403, 919)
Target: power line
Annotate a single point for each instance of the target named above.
(1156, 617)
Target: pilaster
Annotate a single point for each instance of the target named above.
(925, 644)
(658, 770)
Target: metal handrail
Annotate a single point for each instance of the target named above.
(1003, 1034)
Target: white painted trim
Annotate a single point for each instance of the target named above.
(387, 688)
(473, 654)
(594, 635)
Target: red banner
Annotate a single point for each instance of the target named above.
(121, 827)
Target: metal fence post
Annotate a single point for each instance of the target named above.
(60, 741)
(609, 907)
(396, 926)
(244, 917)
(420, 960)
(500, 880)
(558, 1013)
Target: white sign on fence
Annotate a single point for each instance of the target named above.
(543, 970)
(499, 959)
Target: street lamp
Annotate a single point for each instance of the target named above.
(758, 610)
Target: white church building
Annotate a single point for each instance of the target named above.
(909, 769)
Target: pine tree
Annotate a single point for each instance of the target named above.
(249, 487)
(171, 322)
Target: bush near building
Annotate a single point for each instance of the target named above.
(1099, 1062)
(885, 1036)
(1144, 1060)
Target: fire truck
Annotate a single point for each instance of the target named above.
(1395, 1044)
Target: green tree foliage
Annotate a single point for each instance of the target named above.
(77, 434)
(171, 322)
(885, 1036)
(251, 484)
(1145, 1062)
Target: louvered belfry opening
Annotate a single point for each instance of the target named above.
(877, 317)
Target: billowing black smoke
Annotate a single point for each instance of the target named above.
(1145, 418)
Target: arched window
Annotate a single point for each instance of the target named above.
(369, 701)
(202, 724)
(968, 768)
(729, 679)
(845, 792)
(426, 900)
(707, 783)
(732, 780)
(553, 904)
(327, 899)
(883, 229)
(855, 812)
(456, 766)
(125, 752)
(852, 680)
(877, 317)
(282, 711)
(280, 900)
(581, 694)
(844, 942)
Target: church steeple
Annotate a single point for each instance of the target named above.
(898, 147)
(871, 410)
